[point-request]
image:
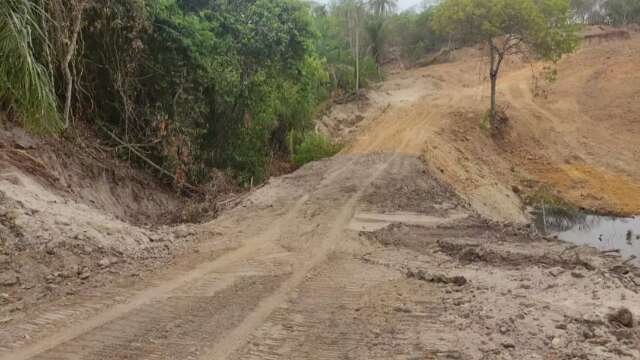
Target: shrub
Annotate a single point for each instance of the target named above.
(25, 84)
(314, 147)
(202, 84)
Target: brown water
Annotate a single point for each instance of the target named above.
(602, 232)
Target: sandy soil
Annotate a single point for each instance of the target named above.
(389, 250)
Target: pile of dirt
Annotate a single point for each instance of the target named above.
(70, 219)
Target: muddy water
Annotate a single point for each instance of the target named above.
(602, 232)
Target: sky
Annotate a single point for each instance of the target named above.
(402, 4)
(405, 4)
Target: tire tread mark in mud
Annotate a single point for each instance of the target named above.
(144, 298)
(237, 337)
(183, 321)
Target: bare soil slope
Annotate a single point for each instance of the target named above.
(71, 220)
(580, 135)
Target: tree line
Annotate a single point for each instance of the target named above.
(610, 12)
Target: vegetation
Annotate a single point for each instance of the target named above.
(509, 27)
(314, 147)
(25, 84)
(621, 12)
(612, 12)
(413, 35)
(184, 86)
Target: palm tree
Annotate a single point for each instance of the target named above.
(353, 12)
(383, 7)
(25, 84)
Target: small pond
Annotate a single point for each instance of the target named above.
(602, 232)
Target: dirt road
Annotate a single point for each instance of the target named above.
(290, 276)
(363, 256)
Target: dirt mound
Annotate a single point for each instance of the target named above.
(87, 175)
(69, 219)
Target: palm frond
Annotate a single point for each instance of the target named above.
(25, 84)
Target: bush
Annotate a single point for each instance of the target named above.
(202, 84)
(314, 147)
(26, 88)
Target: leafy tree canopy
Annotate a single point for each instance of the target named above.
(543, 27)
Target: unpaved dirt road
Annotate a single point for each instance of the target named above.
(289, 276)
(363, 256)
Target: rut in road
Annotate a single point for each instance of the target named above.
(221, 309)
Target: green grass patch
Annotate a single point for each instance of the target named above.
(314, 147)
(553, 204)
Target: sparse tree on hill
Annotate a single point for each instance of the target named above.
(508, 27)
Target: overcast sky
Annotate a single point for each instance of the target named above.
(402, 4)
(405, 4)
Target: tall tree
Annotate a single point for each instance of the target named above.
(508, 27)
(353, 12)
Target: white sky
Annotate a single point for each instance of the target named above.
(402, 4)
(405, 4)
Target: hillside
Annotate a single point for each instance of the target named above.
(577, 136)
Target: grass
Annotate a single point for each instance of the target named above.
(485, 122)
(314, 147)
(25, 84)
(554, 205)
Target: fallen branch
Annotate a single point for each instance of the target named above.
(148, 161)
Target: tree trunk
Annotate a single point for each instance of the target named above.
(73, 43)
(357, 54)
(493, 74)
(494, 113)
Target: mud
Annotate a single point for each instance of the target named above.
(619, 235)
(284, 277)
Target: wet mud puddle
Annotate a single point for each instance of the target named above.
(601, 232)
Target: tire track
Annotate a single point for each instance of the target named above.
(103, 335)
(237, 337)
(254, 245)
(169, 328)
(307, 327)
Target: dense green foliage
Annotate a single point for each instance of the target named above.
(413, 34)
(25, 85)
(184, 86)
(203, 84)
(622, 12)
(342, 41)
(313, 147)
